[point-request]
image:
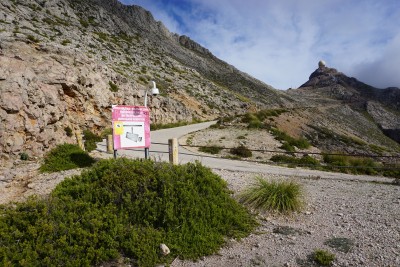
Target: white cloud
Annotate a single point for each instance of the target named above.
(280, 42)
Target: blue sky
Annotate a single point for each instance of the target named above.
(281, 42)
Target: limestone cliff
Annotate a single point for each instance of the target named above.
(63, 63)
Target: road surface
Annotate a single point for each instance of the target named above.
(159, 152)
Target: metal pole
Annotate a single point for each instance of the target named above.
(146, 149)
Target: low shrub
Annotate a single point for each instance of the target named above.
(90, 140)
(211, 149)
(300, 143)
(306, 160)
(106, 132)
(323, 257)
(68, 131)
(124, 207)
(350, 164)
(288, 147)
(65, 157)
(113, 86)
(65, 42)
(279, 196)
(241, 151)
(33, 39)
(23, 156)
(284, 159)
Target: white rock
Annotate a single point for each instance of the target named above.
(164, 250)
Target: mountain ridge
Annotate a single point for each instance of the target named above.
(64, 63)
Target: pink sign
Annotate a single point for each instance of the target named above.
(131, 127)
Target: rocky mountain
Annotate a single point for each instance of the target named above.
(63, 63)
(340, 113)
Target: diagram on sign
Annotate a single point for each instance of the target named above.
(131, 134)
(131, 127)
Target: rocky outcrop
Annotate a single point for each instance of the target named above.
(58, 60)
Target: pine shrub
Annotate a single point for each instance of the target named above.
(124, 208)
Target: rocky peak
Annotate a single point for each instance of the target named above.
(192, 45)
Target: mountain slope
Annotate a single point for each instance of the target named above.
(64, 63)
(345, 114)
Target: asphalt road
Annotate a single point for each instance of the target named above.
(159, 152)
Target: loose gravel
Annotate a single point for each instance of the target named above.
(364, 215)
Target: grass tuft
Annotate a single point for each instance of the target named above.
(278, 196)
(323, 257)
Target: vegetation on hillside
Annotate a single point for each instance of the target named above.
(123, 208)
(66, 157)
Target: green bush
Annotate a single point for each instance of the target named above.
(301, 143)
(68, 131)
(23, 156)
(309, 161)
(90, 140)
(66, 42)
(113, 86)
(33, 39)
(211, 149)
(241, 151)
(284, 159)
(106, 132)
(279, 196)
(350, 164)
(306, 160)
(66, 157)
(124, 207)
(323, 257)
(288, 147)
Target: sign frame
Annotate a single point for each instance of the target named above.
(131, 127)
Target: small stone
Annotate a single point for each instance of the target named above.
(164, 250)
(340, 214)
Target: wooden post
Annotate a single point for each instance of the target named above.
(110, 145)
(79, 140)
(173, 150)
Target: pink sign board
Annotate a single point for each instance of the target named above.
(131, 127)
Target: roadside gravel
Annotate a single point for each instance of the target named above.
(365, 214)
